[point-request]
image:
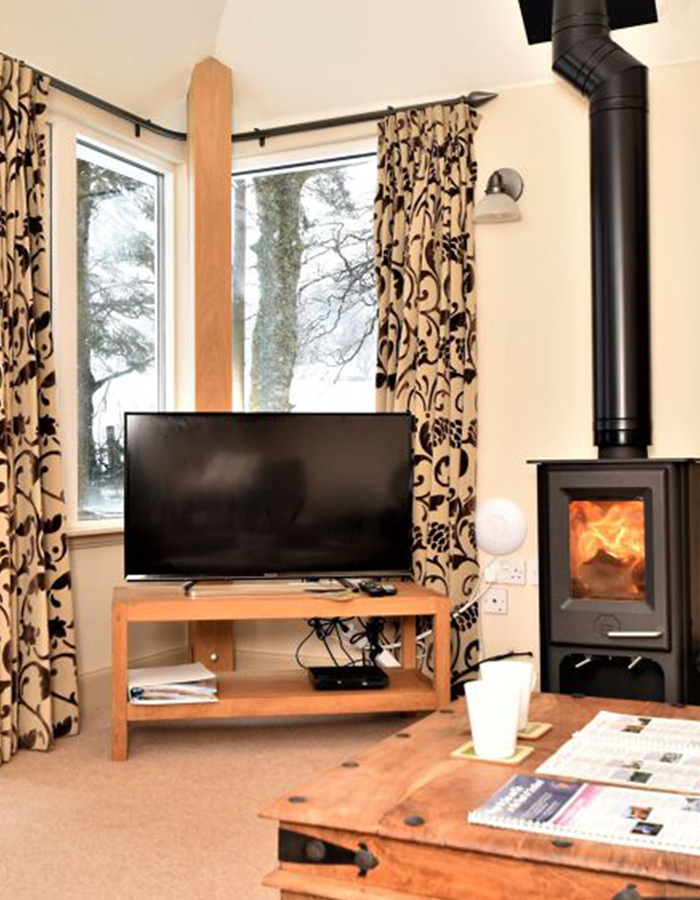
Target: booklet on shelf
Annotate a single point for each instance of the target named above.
(609, 815)
(188, 683)
(639, 751)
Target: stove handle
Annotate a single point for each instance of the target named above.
(623, 635)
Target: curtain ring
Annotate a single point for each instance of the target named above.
(260, 136)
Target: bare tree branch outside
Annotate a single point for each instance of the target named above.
(117, 311)
(303, 292)
(306, 300)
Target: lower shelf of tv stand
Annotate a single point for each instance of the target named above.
(252, 695)
(291, 694)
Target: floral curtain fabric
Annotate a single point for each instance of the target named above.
(38, 683)
(427, 338)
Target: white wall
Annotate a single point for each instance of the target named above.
(534, 327)
(534, 306)
(534, 331)
(97, 570)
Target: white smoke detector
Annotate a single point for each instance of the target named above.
(500, 527)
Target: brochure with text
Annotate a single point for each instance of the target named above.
(610, 815)
(639, 751)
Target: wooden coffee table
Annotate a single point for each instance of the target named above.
(391, 824)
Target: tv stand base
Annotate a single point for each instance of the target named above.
(279, 693)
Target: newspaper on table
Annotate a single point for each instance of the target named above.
(638, 751)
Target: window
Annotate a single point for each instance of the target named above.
(119, 316)
(304, 298)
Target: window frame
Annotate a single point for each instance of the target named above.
(161, 330)
(66, 135)
(68, 118)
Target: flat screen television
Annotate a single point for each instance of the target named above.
(247, 495)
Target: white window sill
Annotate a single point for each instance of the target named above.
(96, 534)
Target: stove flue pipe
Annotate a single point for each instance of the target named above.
(616, 85)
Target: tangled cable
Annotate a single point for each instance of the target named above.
(369, 639)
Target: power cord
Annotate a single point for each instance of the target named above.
(368, 639)
(323, 630)
(371, 638)
(372, 633)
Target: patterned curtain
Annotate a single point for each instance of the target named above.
(38, 685)
(427, 339)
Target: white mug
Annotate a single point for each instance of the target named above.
(493, 707)
(518, 672)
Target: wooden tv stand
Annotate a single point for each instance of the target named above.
(279, 693)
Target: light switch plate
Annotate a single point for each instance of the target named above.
(533, 572)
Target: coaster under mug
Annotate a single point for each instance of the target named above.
(466, 751)
(534, 730)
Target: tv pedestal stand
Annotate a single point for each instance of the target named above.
(279, 693)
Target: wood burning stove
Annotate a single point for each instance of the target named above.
(619, 577)
(619, 535)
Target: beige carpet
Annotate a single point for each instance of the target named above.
(178, 821)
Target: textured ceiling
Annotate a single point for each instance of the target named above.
(302, 59)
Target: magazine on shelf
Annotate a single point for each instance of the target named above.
(189, 683)
(639, 751)
(610, 815)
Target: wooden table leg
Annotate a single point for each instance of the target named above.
(120, 725)
(408, 642)
(441, 653)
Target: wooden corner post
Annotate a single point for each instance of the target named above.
(209, 130)
(209, 115)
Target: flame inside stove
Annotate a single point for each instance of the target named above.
(606, 539)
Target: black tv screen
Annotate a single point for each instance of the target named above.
(236, 495)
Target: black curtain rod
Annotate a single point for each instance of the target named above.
(475, 99)
(140, 124)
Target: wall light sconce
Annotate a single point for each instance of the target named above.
(504, 189)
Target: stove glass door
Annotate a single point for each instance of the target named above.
(606, 549)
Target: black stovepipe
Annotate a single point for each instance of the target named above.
(616, 85)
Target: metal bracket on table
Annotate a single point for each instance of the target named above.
(300, 848)
(631, 893)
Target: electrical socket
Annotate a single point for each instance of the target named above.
(494, 601)
(512, 571)
(533, 571)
